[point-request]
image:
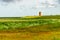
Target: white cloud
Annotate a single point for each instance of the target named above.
(51, 1)
(51, 6)
(46, 3)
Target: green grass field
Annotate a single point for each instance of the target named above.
(27, 28)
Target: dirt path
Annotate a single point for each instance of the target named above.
(30, 36)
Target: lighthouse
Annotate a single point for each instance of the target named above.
(40, 13)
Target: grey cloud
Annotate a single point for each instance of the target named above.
(59, 1)
(8, 1)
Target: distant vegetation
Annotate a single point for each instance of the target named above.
(45, 17)
(34, 17)
(39, 23)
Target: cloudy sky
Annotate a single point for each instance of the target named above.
(13, 8)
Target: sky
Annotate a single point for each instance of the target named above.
(17, 8)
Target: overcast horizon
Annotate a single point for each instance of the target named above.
(17, 8)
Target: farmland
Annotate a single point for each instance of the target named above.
(27, 28)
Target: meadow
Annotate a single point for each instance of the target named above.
(30, 28)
